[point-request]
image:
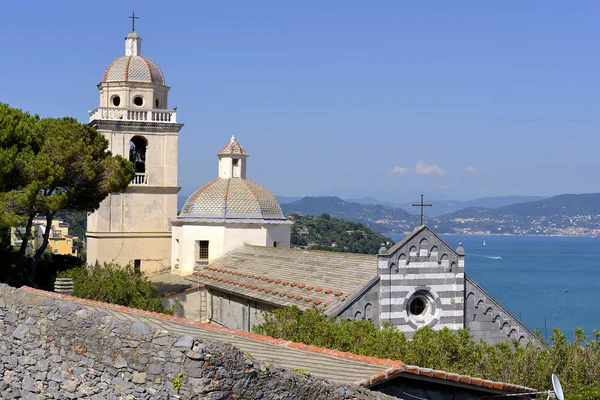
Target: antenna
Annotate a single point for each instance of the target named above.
(558, 392)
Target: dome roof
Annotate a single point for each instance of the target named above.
(233, 199)
(133, 69)
(233, 148)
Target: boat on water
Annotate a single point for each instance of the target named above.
(484, 243)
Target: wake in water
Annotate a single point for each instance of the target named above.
(491, 257)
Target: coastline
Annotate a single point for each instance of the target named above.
(494, 234)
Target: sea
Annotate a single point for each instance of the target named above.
(545, 281)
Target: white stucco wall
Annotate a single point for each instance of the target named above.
(222, 239)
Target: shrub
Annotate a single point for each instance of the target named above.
(111, 283)
(577, 364)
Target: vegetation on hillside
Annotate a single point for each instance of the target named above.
(48, 165)
(335, 234)
(111, 283)
(577, 364)
(378, 217)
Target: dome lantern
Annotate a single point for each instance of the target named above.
(232, 160)
(133, 44)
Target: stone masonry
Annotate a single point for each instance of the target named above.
(59, 350)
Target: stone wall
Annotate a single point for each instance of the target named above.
(56, 349)
(488, 320)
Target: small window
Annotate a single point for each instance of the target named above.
(116, 101)
(275, 244)
(417, 306)
(137, 265)
(73, 251)
(235, 161)
(68, 242)
(156, 103)
(203, 249)
(138, 101)
(56, 242)
(55, 251)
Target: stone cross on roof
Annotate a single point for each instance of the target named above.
(421, 204)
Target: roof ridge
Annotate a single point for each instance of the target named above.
(443, 375)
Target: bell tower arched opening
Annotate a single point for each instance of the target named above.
(137, 153)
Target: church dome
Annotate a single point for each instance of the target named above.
(133, 69)
(232, 199)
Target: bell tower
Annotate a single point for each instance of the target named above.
(133, 226)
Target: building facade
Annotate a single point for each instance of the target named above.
(226, 213)
(419, 282)
(133, 227)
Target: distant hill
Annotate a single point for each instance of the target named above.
(566, 214)
(286, 199)
(377, 217)
(335, 234)
(441, 206)
(569, 214)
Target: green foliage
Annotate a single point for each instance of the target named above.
(48, 165)
(111, 283)
(319, 233)
(577, 364)
(177, 381)
(77, 221)
(301, 371)
(14, 267)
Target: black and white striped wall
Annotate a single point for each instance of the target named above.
(422, 283)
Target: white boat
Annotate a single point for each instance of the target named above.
(484, 243)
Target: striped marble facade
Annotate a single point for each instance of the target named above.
(422, 271)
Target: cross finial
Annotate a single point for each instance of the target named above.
(133, 18)
(421, 204)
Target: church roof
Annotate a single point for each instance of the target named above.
(231, 199)
(233, 148)
(284, 277)
(133, 69)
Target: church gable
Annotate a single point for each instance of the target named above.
(422, 283)
(423, 246)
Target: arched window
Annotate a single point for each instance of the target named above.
(357, 315)
(423, 248)
(137, 153)
(369, 312)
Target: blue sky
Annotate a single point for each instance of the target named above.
(458, 99)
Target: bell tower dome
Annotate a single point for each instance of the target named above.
(133, 227)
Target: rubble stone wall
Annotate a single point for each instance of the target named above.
(51, 348)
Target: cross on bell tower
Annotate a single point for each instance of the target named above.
(421, 204)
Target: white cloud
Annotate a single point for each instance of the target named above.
(471, 170)
(423, 169)
(398, 170)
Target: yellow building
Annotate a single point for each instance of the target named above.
(59, 241)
